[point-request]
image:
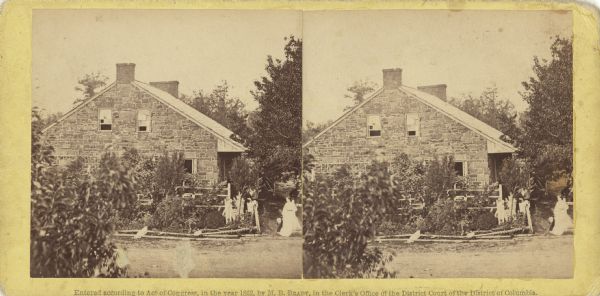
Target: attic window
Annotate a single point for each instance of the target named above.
(105, 119)
(143, 119)
(374, 125)
(460, 167)
(412, 124)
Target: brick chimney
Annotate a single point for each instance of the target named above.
(438, 90)
(392, 78)
(171, 87)
(125, 73)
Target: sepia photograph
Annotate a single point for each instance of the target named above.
(256, 148)
(166, 143)
(438, 144)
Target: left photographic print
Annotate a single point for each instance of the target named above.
(166, 143)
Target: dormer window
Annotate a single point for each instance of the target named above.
(105, 119)
(374, 125)
(143, 120)
(412, 124)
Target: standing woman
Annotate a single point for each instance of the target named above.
(288, 215)
(562, 220)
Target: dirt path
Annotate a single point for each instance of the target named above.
(264, 257)
(529, 257)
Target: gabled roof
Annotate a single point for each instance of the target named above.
(493, 136)
(77, 107)
(341, 118)
(226, 144)
(223, 134)
(495, 144)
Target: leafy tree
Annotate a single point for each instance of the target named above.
(548, 127)
(312, 129)
(515, 175)
(71, 212)
(170, 173)
(88, 85)
(41, 155)
(488, 107)
(276, 138)
(220, 106)
(358, 91)
(439, 177)
(410, 175)
(340, 215)
(243, 174)
(46, 120)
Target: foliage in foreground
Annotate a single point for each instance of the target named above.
(276, 139)
(243, 174)
(547, 141)
(71, 211)
(178, 215)
(340, 215)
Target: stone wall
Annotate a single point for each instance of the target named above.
(79, 134)
(348, 143)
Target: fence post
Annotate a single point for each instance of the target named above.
(500, 190)
(228, 190)
(256, 218)
(528, 212)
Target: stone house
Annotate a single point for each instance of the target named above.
(148, 117)
(418, 122)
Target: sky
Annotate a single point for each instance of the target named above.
(198, 48)
(467, 50)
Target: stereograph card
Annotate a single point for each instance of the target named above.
(265, 148)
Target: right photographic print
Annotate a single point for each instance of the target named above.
(438, 144)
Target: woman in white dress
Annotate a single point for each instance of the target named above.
(562, 220)
(288, 215)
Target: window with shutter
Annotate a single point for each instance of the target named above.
(374, 125)
(412, 124)
(143, 119)
(105, 119)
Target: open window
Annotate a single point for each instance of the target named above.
(412, 124)
(374, 125)
(460, 167)
(190, 166)
(105, 119)
(143, 121)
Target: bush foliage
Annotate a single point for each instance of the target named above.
(71, 213)
(243, 174)
(340, 215)
(175, 214)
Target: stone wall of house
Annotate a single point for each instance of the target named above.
(79, 134)
(348, 143)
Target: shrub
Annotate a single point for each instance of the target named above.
(169, 173)
(482, 220)
(169, 215)
(71, 215)
(340, 215)
(243, 174)
(439, 177)
(413, 224)
(443, 217)
(213, 219)
(410, 177)
(515, 174)
(138, 221)
(178, 215)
